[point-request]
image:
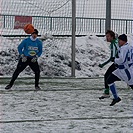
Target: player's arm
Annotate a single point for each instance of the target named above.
(122, 56)
(21, 53)
(39, 49)
(104, 63)
(110, 59)
(20, 47)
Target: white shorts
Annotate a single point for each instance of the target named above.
(122, 74)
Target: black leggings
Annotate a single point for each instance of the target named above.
(112, 78)
(108, 73)
(22, 65)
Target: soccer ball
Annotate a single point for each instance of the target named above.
(29, 28)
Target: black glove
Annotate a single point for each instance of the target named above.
(100, 65)
(112, 59)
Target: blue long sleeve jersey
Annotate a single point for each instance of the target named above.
(30, 48)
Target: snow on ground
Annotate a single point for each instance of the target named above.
(56, 58)
(64, 106)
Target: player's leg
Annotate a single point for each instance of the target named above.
(35, 67)
(107, 74)
(20, 67)
(111, 79)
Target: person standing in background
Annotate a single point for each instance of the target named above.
(29, 51)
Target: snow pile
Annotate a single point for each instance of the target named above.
(56, 58)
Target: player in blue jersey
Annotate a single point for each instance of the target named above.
(29, 50)
(124, 72)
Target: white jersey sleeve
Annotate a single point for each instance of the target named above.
(125, 64)
(125, 55)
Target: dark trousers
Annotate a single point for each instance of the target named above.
(22, 65)
(112, 78)
(108, 73)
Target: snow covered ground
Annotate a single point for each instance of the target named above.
(56, 58)
(64, 106)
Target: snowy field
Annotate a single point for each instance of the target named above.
(63, 106)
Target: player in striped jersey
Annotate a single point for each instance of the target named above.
(110, 37)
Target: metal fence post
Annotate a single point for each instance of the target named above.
(4, 22)
(126, 26)
(108, 15)
(73, 37)
(50, 23)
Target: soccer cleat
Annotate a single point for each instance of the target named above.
(104, 96)
(115, 101)
(37, 88)
(8, 87)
